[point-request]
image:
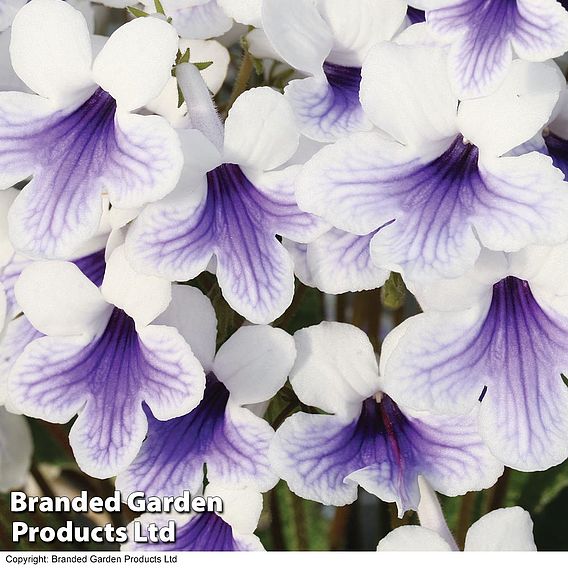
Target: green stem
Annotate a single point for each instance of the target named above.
(241, 82)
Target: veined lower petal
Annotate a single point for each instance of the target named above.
(230, 441)
(76, 155)
(199, 533)
(484, 35)
(509, 354)
(237, 222)
(324, 458)
(341, 262)
(328, 107)
(105, 381)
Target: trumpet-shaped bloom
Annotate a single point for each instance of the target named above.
(230, 530)
(497, 335)
(16, 450)
(485, 35)
(439, 187)
(101, 360)
(328, 41)
(368, 439)
(230, 203)
(509, 529)
(77, 136)
(18, 331)
(230, 440)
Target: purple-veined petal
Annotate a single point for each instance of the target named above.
(509, 353)
(75, 155)
(324, 458)
(341, 262)
(439, 201)
(231, 441)
(17, 334)
(483, 35)
(328, 108)
(203, 532)
(105, 381)
(278, 189)
(237, 222)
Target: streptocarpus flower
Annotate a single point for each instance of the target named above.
(18, 331)
(497, 335)
(485, 35)
(328, 41)
(509, 529)
(78, 136)
(230, 530)
(101, 359)
(250, 367)
(230, 203)
(368, 439)
(441, 188)
(15, 450)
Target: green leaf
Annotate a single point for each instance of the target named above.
(393, 292)
(159, 7)
(203, 65)
(137, 13)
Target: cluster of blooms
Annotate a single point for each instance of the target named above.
(428, 139)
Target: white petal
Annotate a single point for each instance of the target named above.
(406, 92)
(340, 262)
(468, 290)
(335, 368)
(135, 64)
(142, 297)
(413, 539)
(255, 362)
(59, 300)
(297, 33)
(516, 112)
(241, 508)
(51, 49)
(15, 450)
(192, 314)
(509, 529)
(260, 130)
(358, 26)
(243, 11)
(209, 50)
